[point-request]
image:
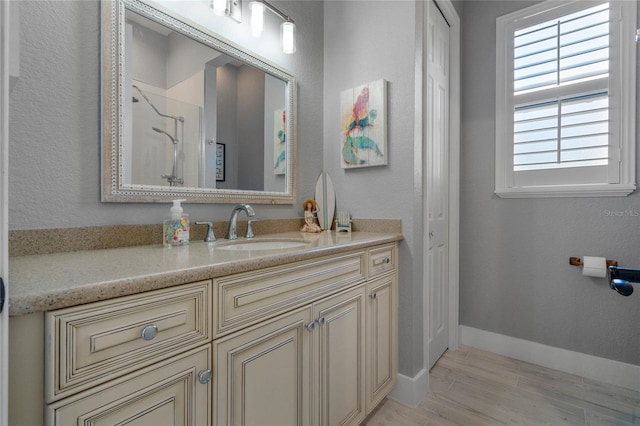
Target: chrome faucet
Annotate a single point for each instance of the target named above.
(233, 221)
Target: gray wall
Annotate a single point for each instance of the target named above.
(384, 48)
(185, 58)
(515, 277)
(250, 128)
(149, 49)
(54, 172)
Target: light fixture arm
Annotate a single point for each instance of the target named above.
(276, 11)
(287, 28)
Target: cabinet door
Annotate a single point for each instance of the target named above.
(340, 362)
(263, 373)
(167, 393)
(382, 338)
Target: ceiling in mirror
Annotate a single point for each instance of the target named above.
(188, 115)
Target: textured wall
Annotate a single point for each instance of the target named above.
(515, 277)
(54, 163)
(365, 42)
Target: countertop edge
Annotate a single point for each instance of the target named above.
(52, 299)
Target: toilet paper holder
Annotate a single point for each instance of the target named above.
(576, 261)
(620, 279)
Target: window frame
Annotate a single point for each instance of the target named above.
(621, 102)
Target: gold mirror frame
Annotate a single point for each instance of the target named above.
(113, 105)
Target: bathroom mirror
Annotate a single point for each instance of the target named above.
(186, 114)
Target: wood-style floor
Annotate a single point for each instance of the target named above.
(474, 387)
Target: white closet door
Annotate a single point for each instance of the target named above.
(437, 120)
(4, 221)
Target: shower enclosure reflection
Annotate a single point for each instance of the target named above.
(166, 151)
(185, 97)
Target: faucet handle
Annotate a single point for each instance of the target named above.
(210, 236)
(250, 233)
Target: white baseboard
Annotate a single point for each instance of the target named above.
(411, 391)
(589, 366)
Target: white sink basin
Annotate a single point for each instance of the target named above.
(264, 245)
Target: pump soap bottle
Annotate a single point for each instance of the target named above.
(176, 228)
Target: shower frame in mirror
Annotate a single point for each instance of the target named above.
(113, 108)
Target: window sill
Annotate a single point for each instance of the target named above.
(567, 191)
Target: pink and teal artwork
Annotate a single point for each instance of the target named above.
(280, 141)
(364, 129)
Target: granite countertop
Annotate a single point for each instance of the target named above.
(52, 281)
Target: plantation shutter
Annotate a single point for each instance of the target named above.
(560, 100)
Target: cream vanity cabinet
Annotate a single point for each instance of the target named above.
(312, 342)
(139, 360)
(328, 361)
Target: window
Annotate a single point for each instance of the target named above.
(565, 100)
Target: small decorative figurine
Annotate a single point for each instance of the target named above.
(310, 208)
(344, 222)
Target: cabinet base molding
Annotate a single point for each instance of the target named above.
(411, 391)
(602, 369)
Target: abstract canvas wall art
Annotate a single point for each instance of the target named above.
(364, 125)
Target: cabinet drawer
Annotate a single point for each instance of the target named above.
(170, 393)
(381, 260)
(246, 298)
(90, 344)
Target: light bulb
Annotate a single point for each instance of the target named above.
(288, 32)
(219, 7)
(257, 18)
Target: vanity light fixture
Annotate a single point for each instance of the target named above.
(257, 18)
(287, 29)
(219, 7)
(230, 8)
(288, 34)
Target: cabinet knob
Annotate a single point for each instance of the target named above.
(311, 326)
(386, 260)
(321, 321)
(374, 296)
(205, 376)
(150, 332)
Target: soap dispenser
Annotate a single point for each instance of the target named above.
(176, 228)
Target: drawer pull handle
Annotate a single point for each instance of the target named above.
(150, 332)
(311, 326)
(386, 260)
(205, 376)
(374, 296)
